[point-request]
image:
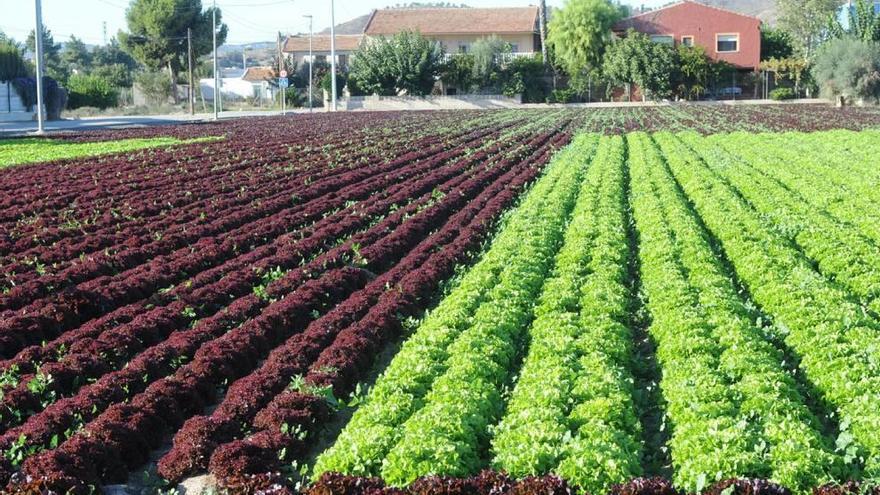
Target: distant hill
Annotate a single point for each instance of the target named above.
(762, 9)
(354, 26)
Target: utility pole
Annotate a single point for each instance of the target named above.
(311, 61)
(189, 62)
(216, 79)
(38, 55)
(105, 32)
(281, 90)
(333, 54)
(542, 20)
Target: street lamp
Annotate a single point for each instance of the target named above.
(38, 61)
(311, 61)
(333, 54)
(216, 79)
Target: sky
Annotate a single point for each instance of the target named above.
(248, 20)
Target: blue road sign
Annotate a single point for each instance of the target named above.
(282, 82)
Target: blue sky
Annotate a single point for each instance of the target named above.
(248, 20)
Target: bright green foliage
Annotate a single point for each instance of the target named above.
(836, 340)
(864, 22)
(636, 59)
(849, 67)
(783, 441)
(840, 251)
(406, 63)
(19, 151)
(434, 375)
(572, 409)
(90, 91)
(579, 33)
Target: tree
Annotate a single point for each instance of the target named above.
(849, 67)
(158, 28)
(91, 91)
(113, 54)
(12, 64)
(864, 23)
(580, 32)
(806, 21)
(636, 59)
(775, 43)
(76, 56)
(51, 55)
(487, 53)
(695, 70)
(407, 63)
(458, 72)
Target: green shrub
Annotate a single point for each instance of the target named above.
(849, 68)
(155, 86)
(90, 91)
(780, 94)
(12, 65)
(567, 95)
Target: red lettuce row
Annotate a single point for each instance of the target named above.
(93, 356)
(342, 363)
(196, 439)
(71, 306)
(90, 457)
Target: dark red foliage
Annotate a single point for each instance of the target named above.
(645, 486)
(848, 488)
(746, 486)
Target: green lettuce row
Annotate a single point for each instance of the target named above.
(798, 456)
(572, 409)
(710, 439)
(447, 435)
(831, 166)
(838, 344)
(840, 251)
(376, 426)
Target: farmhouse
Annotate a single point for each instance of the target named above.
(455, 28)
(725, 35)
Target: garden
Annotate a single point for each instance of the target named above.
(658, 300)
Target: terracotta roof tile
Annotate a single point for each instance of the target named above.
(454, 21)
(259, 74)
(321, 43)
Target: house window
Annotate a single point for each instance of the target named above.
(514, 48)
(462, 48)
(342, 60)
(662, 38)
(687, 40)
(726, 43)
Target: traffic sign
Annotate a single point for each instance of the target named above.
(282, 82)
(283, 73)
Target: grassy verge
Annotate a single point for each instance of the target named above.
(35, 150)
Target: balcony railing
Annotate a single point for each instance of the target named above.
(503, 57)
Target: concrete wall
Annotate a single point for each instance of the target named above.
(464, 102)
(11, 107)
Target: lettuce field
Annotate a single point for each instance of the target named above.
(631, 301)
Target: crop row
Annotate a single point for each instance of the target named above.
(90, 358)
(348, 359)
(735, 411)
(238, 407)
(840, 252)
(432, 406)
(823, 324)
(120, 432)
(572, 412)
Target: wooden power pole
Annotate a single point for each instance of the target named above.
(189, 60)
(542, 21)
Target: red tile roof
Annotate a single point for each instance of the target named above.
(259, 74)
(454, 21)
(321, 43)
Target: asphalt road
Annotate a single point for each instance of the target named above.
(94, 123)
